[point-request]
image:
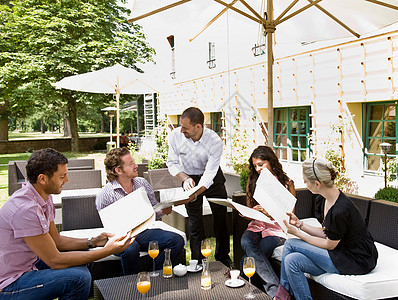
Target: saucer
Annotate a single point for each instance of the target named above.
(234, 284)
(198, 268)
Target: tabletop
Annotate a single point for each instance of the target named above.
(186, 287)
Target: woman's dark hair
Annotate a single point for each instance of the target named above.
(44, 161)
(194, 115)
(264, 153)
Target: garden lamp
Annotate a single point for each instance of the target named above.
(385, 147)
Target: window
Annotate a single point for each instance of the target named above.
(381, 122)
(291, 130)
(216, 123)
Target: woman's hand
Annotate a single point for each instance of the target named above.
(294, 220)
(262, 210)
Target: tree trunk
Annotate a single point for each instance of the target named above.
(4, 121)
(67, 127)
(102, 122)
(73, 123)
(42, 126)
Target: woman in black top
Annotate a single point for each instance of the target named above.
(342, 245)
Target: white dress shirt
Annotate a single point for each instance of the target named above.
(195, 158)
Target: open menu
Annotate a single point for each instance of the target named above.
(274, 197)
(133, 212)
(173, 196)
(245, 211)
(271, 195)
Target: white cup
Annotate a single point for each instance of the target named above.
(193, 263)
(234, 275)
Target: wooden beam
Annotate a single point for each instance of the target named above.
(158, 10)
(383, 4)
(335, 19)
(253, 10)
(212, 20)
(239, 11)
(296, 12)
(286, 11)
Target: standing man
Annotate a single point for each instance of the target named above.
(122, 174)
(36, 262)
(194, 157)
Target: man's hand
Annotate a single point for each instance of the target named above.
(188, 184)
(101, 240)
(119, 244)
(167, 210)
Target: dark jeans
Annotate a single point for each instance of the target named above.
(45, 283)
(166, 239)
(195, 221)
(261, 249)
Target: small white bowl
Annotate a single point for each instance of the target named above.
(180, 270)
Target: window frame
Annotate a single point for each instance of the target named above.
(289, 148)
(382, 137)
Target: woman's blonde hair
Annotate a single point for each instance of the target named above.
(319, 169)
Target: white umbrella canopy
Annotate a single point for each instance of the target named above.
(111, 80)
(283, 21)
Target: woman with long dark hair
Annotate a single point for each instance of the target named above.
(261, 238)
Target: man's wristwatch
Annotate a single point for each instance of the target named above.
(89, 243)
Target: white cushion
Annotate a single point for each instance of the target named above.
(381, 283)
(87, 233)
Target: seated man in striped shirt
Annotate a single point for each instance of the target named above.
(123, 179)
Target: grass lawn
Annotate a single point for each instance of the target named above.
(38, 135)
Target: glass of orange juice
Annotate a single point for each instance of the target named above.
(143, 282)
(249, 268)
(205, 248)
(153, 251)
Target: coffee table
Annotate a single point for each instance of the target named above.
(186, 287)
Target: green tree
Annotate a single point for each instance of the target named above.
(43, 41)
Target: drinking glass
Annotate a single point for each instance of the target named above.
(205, 248)
(249, 268)
(153, 251)
(143, 283)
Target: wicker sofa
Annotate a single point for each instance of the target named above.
(17, 173)
(381, 218)
(80, 218)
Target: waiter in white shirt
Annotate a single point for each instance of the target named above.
(194, 157)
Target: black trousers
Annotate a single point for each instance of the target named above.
(195, 219)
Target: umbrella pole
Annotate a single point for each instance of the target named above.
(117, 116)
(270, 30)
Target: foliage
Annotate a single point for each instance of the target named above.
(334, 155)
(239, 158)
(244, 176)
(162, 148)
(392, 169)
(389, 194)
(45, 41)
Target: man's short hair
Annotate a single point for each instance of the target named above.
(44, 161)
(194, 115)
(113, 160)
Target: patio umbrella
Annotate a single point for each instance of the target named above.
(292, 21)
(111, 80)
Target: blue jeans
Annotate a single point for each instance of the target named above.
(130, 257)
(298, 258)
(70, 283)
(261, 249)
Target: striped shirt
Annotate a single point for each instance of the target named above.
(113, 192)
